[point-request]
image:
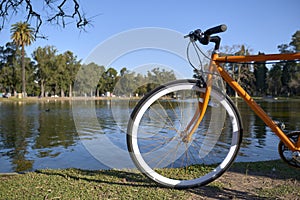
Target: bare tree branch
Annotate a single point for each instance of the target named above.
(61, 13)
(33, 14)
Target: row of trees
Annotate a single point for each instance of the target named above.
(260, 78)
(95, 80)
(50, 73)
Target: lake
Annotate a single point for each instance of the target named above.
(91, 134)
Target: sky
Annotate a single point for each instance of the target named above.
(261, 25)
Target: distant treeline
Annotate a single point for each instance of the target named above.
(51, 73)
(260, 79)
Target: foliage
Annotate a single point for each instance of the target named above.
(281, 79)
(242, 73)
(131, 83)
(45, 67)
(10, 77)
(22, 35)
(87, 79)
(51, 73)
(260, 73)
(285, 75)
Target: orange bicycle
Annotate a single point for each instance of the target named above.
(187, 133)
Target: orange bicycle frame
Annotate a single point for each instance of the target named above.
(202, 106)
(243, 94)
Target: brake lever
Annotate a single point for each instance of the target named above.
(195, 35)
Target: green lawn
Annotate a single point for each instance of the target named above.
(117, 184)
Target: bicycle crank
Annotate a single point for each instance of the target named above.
(290, 157)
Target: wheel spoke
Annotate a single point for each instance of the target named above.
(158, 142)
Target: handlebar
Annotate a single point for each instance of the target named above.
(215, 30)
(204, 37)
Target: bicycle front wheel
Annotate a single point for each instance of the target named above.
(157, 130)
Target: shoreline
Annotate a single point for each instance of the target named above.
(48, 99)
(236, 166)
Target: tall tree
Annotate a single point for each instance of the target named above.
(45, 58)
(289, 69)
(245, 76)
(126, 83)
(10, 76)
(158, 76)
(61, 79)
(140, 81)
(241, 73)
(294, 83)
(72, 67)
(32, 87)
(274, 80)
(110, 76)
(22, 35)
(87, 79)
(260, 73)
(295, 43)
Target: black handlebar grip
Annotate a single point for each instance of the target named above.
(217, 29)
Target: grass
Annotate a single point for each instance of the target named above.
(287, 191)
(83, 184)
(119, 184)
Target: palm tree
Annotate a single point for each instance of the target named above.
(22, 35)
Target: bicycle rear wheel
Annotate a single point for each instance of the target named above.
(157, 128)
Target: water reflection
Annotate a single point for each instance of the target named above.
(17, 126)
(43, 134)
(33, 133)
(260, 143)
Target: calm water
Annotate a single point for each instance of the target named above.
(91, 134)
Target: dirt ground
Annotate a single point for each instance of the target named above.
(254, 182)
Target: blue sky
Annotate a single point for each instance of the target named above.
(259, 24)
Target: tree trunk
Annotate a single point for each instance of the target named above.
(70, 90)
(62, 93)
(23, 73)
(42, 89)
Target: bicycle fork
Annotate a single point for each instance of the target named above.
(201, 107)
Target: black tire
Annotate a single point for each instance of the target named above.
(286, 154)
(156, 130)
